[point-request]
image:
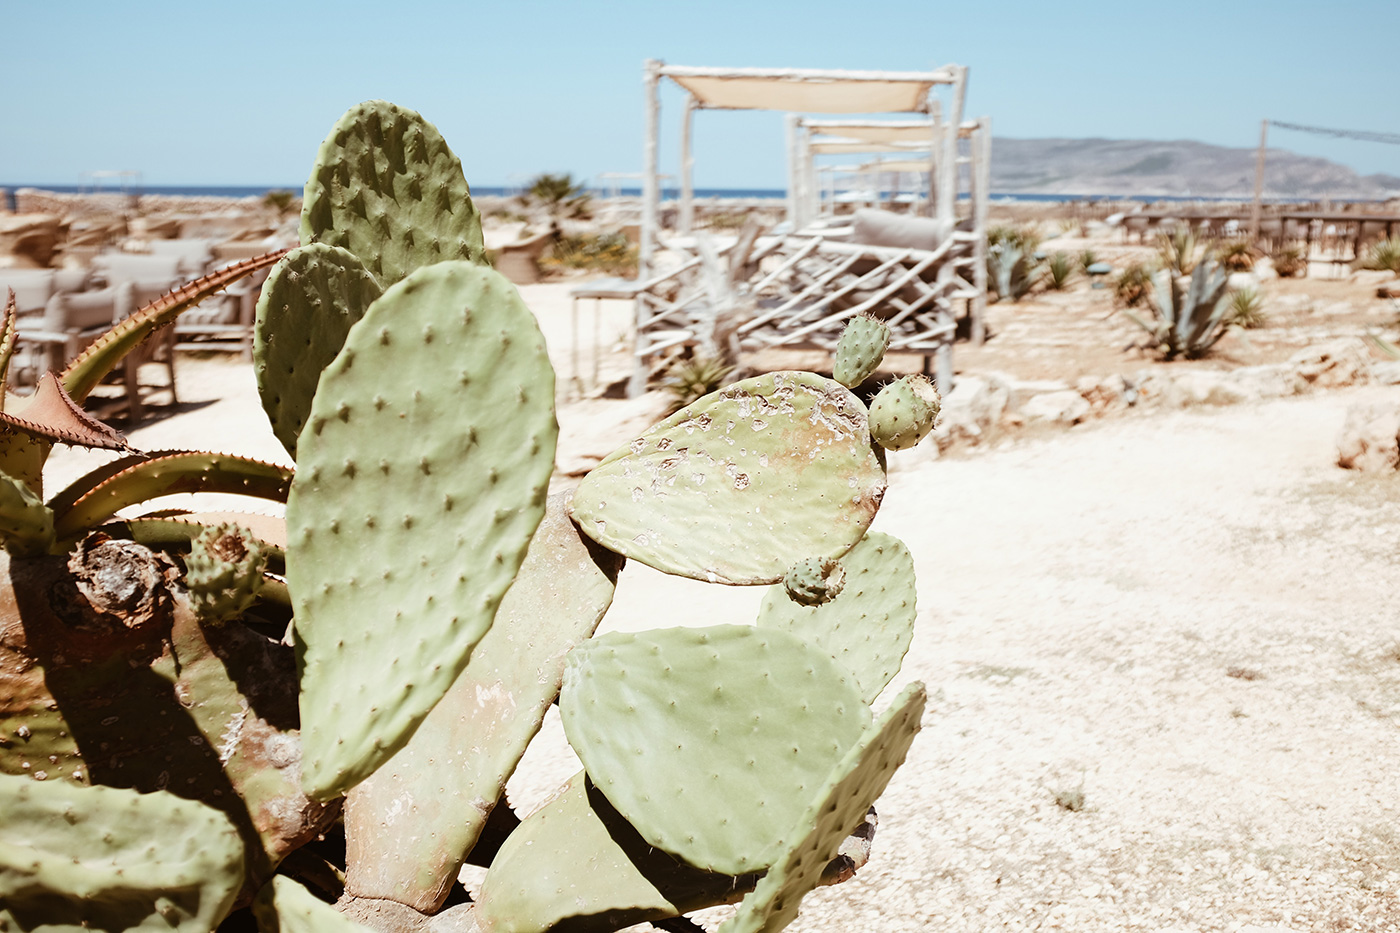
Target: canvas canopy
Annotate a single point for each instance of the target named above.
(831, 146)
(872, 131)
(808, 90)
(897, 165)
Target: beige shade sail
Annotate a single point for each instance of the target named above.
(807, 91)
(869, 131)
(827, 147)
(896, 165)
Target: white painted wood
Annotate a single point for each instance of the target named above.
(651, 75)
(687, 218)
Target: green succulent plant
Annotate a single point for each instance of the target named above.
(1059, 270)
(1190, 313)
(386, 652)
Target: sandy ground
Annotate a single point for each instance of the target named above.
(1187, 618)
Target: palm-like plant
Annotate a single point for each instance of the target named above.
(1289, 261)
(1236, 255)
(1179, 250)
(1247, 309)
(1383, 255)
(560, 195)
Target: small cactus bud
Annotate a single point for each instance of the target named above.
(861, 348)
(224, 572)
(904, 412)
(814, 581)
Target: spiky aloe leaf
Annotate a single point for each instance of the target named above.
(742, 484)
(7, 339)
(737, 726)
(431, 435)
(84, 858)
(869, 624)
(386, 187)
(88, 368)
(439, 789)
(306, 308)
(139, 479)
(283, 906)
(51, 414)
(832, 813)
(26, 524)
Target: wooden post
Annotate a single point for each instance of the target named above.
(948, 196)
(651, 77)
(814, 196)
(1256, 210)
(981, 199)
(792, 119)
(935, 112)
(687, 219)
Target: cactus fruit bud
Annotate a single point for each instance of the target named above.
(814, 581)
(861, 348)
(224, 572)
(904, 412)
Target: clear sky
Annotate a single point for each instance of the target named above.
(213, 92)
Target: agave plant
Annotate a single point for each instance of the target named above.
(1190, 314)
(1384, 255)
(1179, 250)
(1087, 258)
(1059, 269)
(1012, 266)
(1236, 255)
(1289, 261)
(1247, 308)
(1132, 285)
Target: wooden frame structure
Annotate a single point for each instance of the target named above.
(807, 287)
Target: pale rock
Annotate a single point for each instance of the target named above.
(1372, 276)
(1110, 392)
(1023, 390)
(1064, 406)
(1301, 304)
(1155, 388)
(1240, 280)
(1273, 381)
(1264, 270)
(1370, 438)
(1207, 387)
(1386, 373)
(1341, 362)
(973, 406)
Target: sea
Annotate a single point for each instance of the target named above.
(668, 194)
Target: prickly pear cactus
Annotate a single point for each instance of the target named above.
(283, 906)
(815, 581)
(723, 717)
(903, 413)
(421, 476)
(224, 572)
(83, 858)
(868, 626)
(387, 188)
(742, 484)
(859, 351)
(307, 305)
(833, 812)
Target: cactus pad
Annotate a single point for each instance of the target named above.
(439, 788)
(387, 188)
(304, 312)
(420, 478)
(903, 413)
(867, 628)
(79, 858)
(859, 351)
(224, 572)
(284, 906)
(814, 581)
(709, 741)
(833, 813)
(742, 484)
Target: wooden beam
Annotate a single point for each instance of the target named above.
(687, 218)
(1256, 210)
(651, 73)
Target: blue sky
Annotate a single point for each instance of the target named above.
(242, 93)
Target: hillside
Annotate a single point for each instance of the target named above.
(1175, 167)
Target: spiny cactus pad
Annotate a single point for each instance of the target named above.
(814, 581)
(859, 351)
(868, 626)
(420, 478)
(26, 524)
(742, 484)
(903, 413)
(224, 572)
(439, 789)
(283, 906)
(304, 312)
(387, 188)
(709, 741)
(833, 813)
(576, 859)
(82, 858)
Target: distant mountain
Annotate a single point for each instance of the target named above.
(1176, 168)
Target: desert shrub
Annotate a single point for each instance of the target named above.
(560, 195)
(1132, 284)
(1236, 255)
(1059, 269)
(1383, 255)
(1247, 308)
(694, 377)
(1087, 258)
(612, 253)
(1289, 261)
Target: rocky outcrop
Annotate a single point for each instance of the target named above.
(1370, 439)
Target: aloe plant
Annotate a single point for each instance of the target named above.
(1190, 314)
(391, 647)
(1059, 269)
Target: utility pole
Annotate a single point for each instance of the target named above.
(1255, 211)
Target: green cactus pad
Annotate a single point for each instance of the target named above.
(387, 188)
(284, 906)
(83, 858)
(903, 413)
(867, 628)
(742, 484)
(439, 789)
(306, 308)
(26, 524)
(859, 351)
(833, 813)
(420, 478)
(576, 859)
(711, 740)
(224, 572)
(814, 581)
